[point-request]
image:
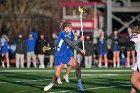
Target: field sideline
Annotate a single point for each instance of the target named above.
(95, 80)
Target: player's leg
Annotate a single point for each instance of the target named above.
(7, 59)
(28, 59)
(34, 59)
(66, 76)
(51, 60)
(3, 59)
(86, 61)
(118, 58)
(128, 59)
(57, 72)
(73, 62)
(135, 77)
(41, 60)
(59, 80)
(78, 71)
(133, 56)
(90, 61)
(55, 77)
(78, 75)
(133, 89)
(68, 70)
(106, 60)
(78, 58)
(114, 59)
(22, 60)
(100, 61)
(70, 64)
(17, 60)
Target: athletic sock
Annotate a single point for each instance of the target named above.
(79, 81)
(79, 85)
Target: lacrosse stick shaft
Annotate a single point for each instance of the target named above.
(81, 22)
(82, 32)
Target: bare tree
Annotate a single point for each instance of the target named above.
(23, 15)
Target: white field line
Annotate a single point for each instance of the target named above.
(3, 82)
(28, 81)
(87, 75)
(83, 76)
(91, 88)
(26, 91)
(50, 71)
(95, 88)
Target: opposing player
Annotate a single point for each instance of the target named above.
(135, 76)
(63, 52)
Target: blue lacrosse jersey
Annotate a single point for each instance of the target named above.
(61, 46)
(63, 52)
(4, 45)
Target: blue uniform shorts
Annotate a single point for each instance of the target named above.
(103, 53)
(63, 59)
(4, 50)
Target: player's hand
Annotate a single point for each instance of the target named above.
(82, 38)
(83, 51)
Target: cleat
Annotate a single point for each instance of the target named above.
(46, 88)
(66, 77)
(106, 65)
(59, 81)
(99, 65)
(80, 87)
(3, 65)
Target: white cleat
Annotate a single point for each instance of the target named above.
(66, 77)
(41, 66)
(3, 65)
(46, 88)
(59, 81)
(118, 65)
(99, 65)
(106, 65)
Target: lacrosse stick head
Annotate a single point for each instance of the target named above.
(81, 9)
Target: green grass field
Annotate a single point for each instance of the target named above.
(95, 80)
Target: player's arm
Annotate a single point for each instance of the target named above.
(34, 34)
(6, 37)
(72, 44)
(76, 41)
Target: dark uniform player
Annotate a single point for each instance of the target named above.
(130, 51)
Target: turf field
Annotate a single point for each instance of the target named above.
(95, 80)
